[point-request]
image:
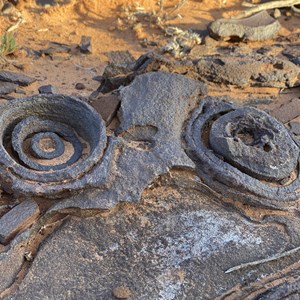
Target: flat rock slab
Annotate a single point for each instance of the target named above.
(17, 78)
(7, 87)
(258, 27)
(173, 246)
(17, 219)
(248, 70)
(288, 111)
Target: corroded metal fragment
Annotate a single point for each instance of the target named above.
(235, 148)
(49, 143)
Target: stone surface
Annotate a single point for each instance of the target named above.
(258, 27)
(173, 246)
(17, 219)
(231, 179)
(287, 111)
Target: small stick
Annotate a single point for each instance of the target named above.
(177, 7)
(262, 261)
(16, 25)
(264, 6)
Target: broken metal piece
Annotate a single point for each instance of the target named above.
(17, 219)
(258, 27)
(238, 173)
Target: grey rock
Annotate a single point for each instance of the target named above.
(183, 223)
(55, 47)
(230, 68)
(16, 78)
(258, 27)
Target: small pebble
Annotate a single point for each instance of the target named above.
(47, 89)
(288, 13)
(122, 292)
(79, 86)
(277, 13)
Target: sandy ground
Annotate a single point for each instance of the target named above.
(106, 22)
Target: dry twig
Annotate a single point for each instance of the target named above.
(262, 261)
(263, 6)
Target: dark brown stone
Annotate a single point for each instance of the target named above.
(107, 106)
(287, 111)
(79, 86)
(17, 219)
